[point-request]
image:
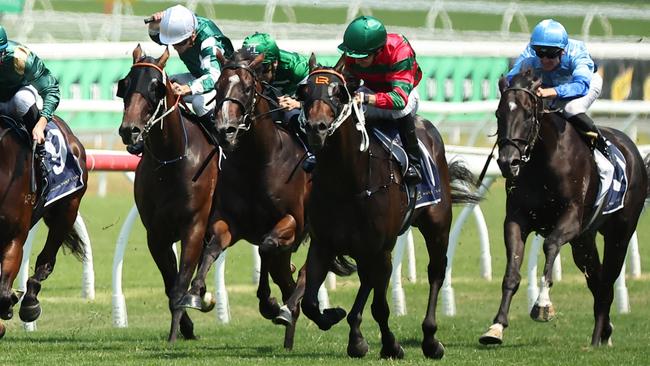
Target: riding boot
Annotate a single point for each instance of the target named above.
(586, 125)
(406, 128)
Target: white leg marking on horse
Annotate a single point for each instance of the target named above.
(544, 297)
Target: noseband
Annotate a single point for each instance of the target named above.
(529, 141)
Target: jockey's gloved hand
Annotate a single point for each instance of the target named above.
(361, 97)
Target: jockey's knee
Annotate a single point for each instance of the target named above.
(571, 109)
(23, 100)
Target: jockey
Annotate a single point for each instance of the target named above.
(283, 71)
(568, 76)
(197, 41)
(386, 63)
(25, 83)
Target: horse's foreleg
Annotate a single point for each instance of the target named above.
(268, 306)
(318, 262)
(567, 228)
(357, 345)
(282, 235)
(12, 256)
(290, 311)
(197, 297)
(515, 238)
(281, 273)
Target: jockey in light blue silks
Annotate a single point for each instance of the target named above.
(568, 76)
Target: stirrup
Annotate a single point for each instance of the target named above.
(412, 176)
(310, 163)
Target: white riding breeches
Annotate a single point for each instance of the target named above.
(201, 103)
(379, 113)
(580, 105)
(20, 103)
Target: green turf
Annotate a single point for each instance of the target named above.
(76, 331)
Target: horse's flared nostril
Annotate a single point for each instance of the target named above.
(322, 127)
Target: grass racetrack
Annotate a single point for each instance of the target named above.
(74, 331)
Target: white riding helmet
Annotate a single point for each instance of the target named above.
(177, 25)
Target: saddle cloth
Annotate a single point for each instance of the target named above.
(429, 192)
(64, 175)
(613, 185)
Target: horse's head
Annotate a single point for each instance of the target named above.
(143, 90)
(324, 96)
(237, 90)
(518, 121)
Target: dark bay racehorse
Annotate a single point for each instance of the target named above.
(551, 184)
(172, 207)
(18, 214)
(262, 190)
(357, 206)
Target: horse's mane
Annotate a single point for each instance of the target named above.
(241, 55)
(524, 79)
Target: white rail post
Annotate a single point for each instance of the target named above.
(223, 307)
(88, 272)
(533, 288)
(621, 294)
(399, 302)
(633, 257)
(410, 254)
(120, 319)
(257, 264)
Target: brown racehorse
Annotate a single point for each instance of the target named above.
(262, 190)
(18, 214)
(551, 184)
(357, 207)
(172, 207)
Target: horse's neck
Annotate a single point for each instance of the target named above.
(168, 138)
(342, 159)
(262, 140)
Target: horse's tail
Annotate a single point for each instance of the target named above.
(341, 266)
(74, 242)
(463, 184)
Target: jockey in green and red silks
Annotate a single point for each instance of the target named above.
(386, 63)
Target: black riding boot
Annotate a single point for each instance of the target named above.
(309, 163)
(406, 128)
(31, 117)
(582, 122)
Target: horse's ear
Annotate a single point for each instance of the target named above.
(220, 58)
(503, 84)
(537, 82)
(313, 64)
(340, 64)
(163, 58)
(137, 53)
(256, 61)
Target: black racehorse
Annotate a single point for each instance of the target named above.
(357, 207)
(172, 206)
(20, 210)
(552, 183)
(262, 190)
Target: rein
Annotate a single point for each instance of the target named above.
(528, 142)
(165, 112)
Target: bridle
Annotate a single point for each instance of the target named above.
(529, 141)
(341, 111)
(161, 111)
(246, 119)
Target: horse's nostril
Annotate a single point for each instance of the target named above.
(322, 127)
(231, 130)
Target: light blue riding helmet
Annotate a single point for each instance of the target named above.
(549, 33)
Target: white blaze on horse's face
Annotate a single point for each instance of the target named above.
(232, 81)
(512, 106)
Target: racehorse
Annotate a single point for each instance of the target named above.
(21, 208)
(357, 208)
(552, 184)
(172, 207)
(262, 190)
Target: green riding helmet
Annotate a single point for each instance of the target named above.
(3, 38)
(262, 43)
(363, 36)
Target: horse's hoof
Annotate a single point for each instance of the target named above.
(29, 313)
(208, 302)
(542, 314)
(285, 317)
(494, 335)
(392, 353)
(270, 309)
(330, 317)
(8, 315)
(435, 350)
(189, 301)
(358, 349)
(606, 337)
